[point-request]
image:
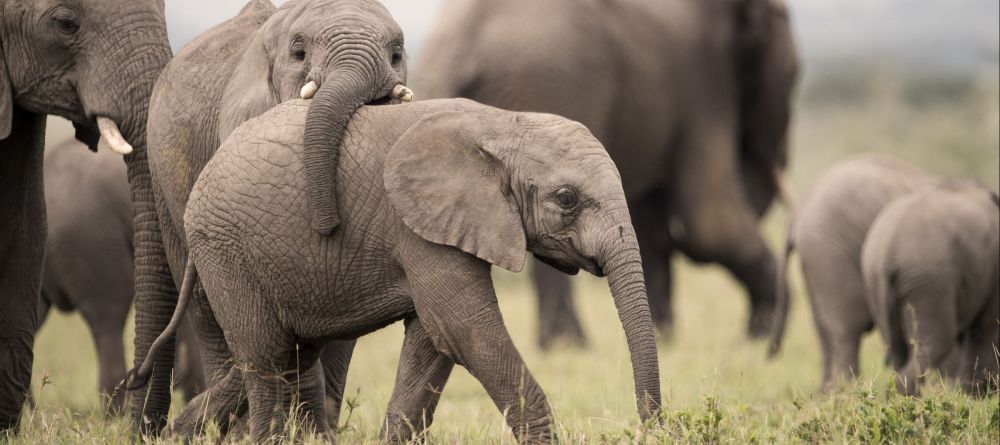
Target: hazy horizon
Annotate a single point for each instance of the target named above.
(919, 35)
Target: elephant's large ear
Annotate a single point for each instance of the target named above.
(249, 93)
(447, 182)
(6, 100)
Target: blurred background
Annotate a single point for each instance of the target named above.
(917, 79)
(884, 58)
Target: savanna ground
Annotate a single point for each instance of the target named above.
(717, 386)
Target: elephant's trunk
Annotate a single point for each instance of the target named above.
(155, 292)
(344, 91)
(621, 261)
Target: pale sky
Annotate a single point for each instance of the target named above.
(920, 34)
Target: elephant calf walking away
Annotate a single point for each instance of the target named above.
(432, 194)
(828, 229)
(931, 265)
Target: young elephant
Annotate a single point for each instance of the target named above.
(88, 259)
(432, 194)
(828, 229)
(343, 53)
(931, 265)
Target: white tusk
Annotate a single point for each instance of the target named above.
(309, 90)
(112, 137)
(402, 93)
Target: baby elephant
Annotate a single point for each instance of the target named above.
(432, 194)
(931, 268)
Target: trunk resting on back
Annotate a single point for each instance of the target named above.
(329, 113)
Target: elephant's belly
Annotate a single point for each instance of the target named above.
(362, 301)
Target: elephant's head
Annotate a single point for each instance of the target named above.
(498, 184)
(93, 62)
(342, 54)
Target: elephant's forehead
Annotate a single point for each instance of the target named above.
(336, 13)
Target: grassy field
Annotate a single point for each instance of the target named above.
(718, 387)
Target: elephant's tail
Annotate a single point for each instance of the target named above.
(137, 378)
(781, 297)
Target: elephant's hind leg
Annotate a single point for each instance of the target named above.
(840, 313)
(649, 217)
(222, 403)
(732, 239)
(981, 362)
(928, 321)
(111, 356)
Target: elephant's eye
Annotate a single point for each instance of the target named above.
(65, 22)
(298, 51)
(566, 197)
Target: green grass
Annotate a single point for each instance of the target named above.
(717, 386)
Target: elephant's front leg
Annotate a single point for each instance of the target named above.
(420, 379)
(22, 253)
(455, 301)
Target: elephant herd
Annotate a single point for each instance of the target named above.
(280, 198)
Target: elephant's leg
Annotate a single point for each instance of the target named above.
(22, 253)
(557, 317)
(420, 379)
(840, 313)
(216, 357)
(930, 327)
(711, 219)
(191, 374)
(456, 304)
(307, 393)
(266, 393)
(111, 357)
(336, 359)
(734, 242)
(223, 403)
(981, 363)
(649, 217)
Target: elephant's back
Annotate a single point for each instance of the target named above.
(842, 204)
(184, 107)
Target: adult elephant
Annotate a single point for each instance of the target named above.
(690, 97)
(93, 62)
(344, 52)
(88, 266)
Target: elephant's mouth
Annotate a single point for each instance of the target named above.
(571, 268)
(384, 100)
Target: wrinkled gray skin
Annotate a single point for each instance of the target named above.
(88, 260)
(691, 98)
(68, 58)
(931, 265)
(230, 73)
(828, 229)
(432, 194)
